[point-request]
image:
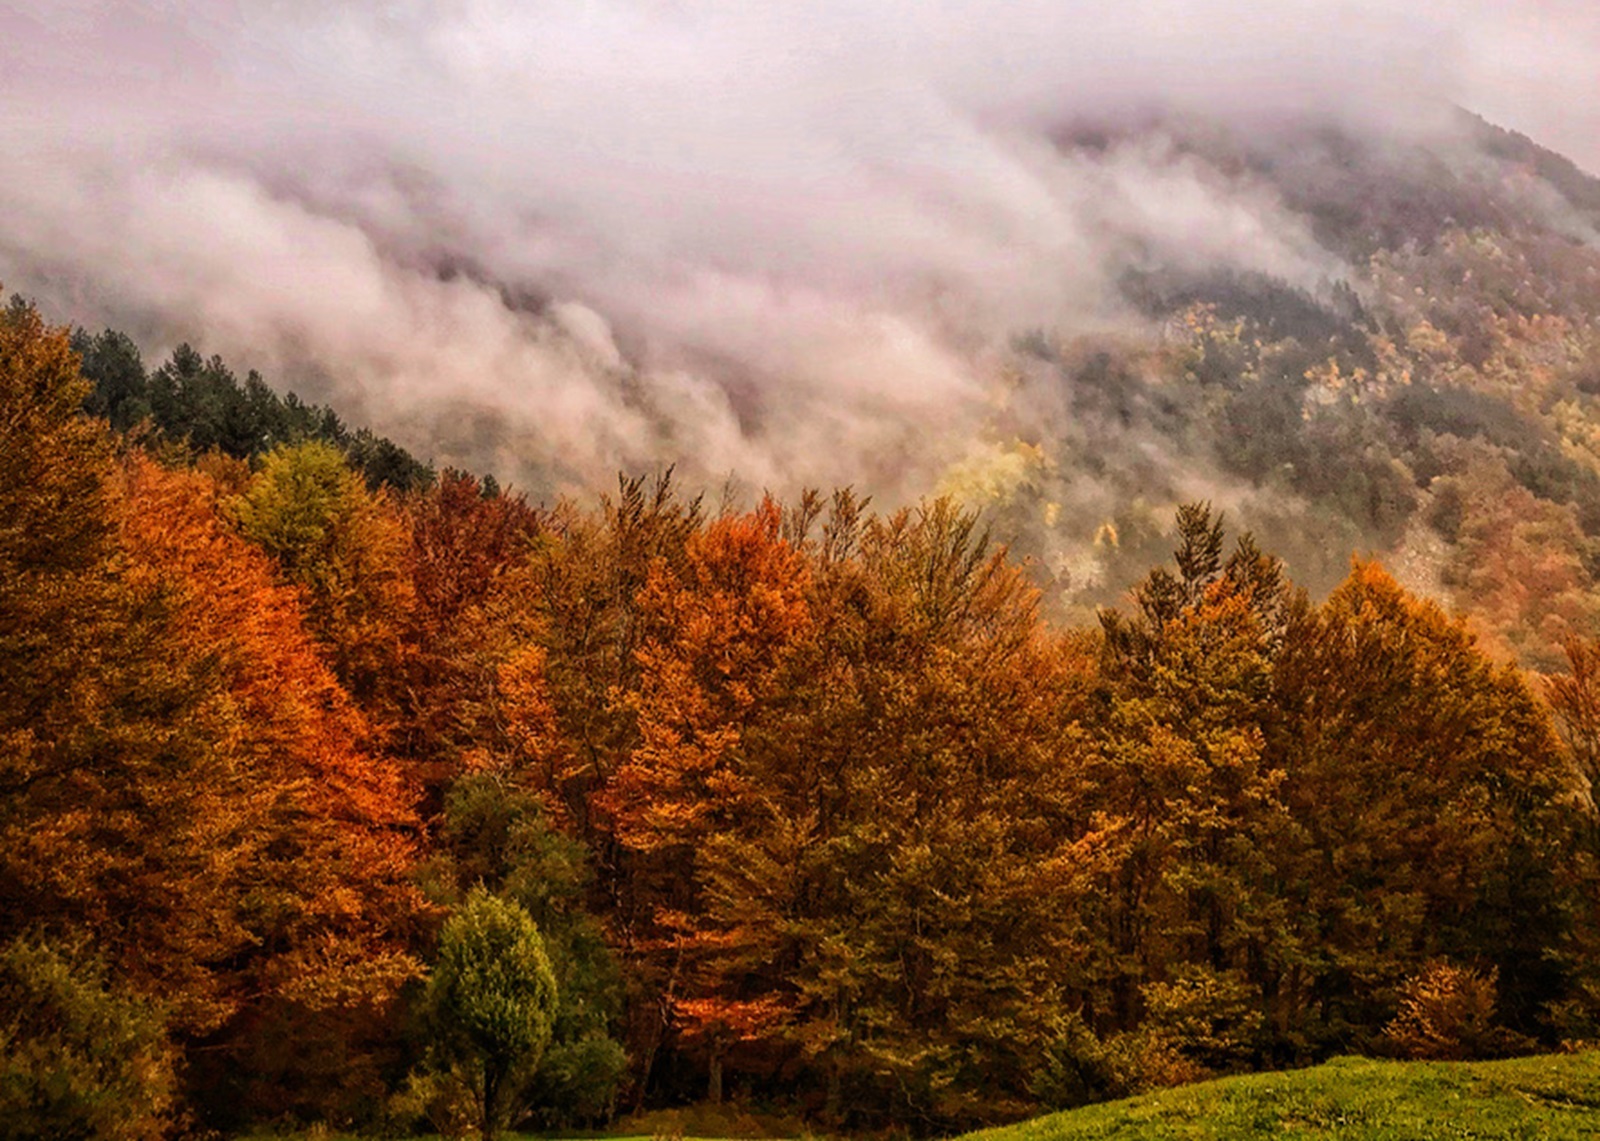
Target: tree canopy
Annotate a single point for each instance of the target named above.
(805, 802)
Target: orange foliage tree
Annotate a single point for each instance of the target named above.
(719, 633)
(850, 803)
(465, 550)
(318, 834)
(182, 778)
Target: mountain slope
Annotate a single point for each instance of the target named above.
(1437, 405)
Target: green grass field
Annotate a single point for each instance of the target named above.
(1551, 1098)
(1554, 1097)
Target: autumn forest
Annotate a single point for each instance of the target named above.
(812, 805)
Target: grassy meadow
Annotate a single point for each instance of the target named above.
(1552, 1097)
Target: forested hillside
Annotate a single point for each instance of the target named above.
(1435, 403)
(809, 803)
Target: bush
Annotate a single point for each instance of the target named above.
(1077, 1068)
(1447, 1014)
(578, 1081)
(431, 1100)
(79, 1057)
(1210, 1017)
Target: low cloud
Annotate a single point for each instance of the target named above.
(787, 241)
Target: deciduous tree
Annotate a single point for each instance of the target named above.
(492, 1000)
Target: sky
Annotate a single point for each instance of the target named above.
(785, 241)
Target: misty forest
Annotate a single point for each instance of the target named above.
(887, 612)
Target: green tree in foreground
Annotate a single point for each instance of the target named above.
(496, 835)
(492, 1000)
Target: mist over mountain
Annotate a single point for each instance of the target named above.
(1076, 263)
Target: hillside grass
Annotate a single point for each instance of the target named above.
(1552, 1097)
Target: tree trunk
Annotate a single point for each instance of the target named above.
(714, 1094)
(491, 1106)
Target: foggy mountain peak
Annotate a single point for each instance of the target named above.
(810, 244)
